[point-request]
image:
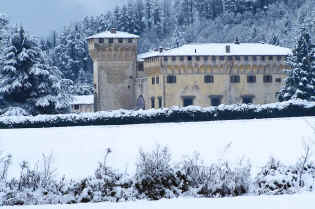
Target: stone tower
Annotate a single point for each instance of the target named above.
(114, 55)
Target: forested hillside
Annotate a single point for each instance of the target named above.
(169, 23)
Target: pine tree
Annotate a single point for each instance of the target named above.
(28, 79)
(300, 83)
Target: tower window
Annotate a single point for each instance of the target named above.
(267, 78)
(111, 40)
(171, 79)
(251, 79)
(208, 79)
(160, 102)
(152, 102)
(235, 79)
(215, 100)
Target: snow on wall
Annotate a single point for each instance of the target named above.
(109, 34)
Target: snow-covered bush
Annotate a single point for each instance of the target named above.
(174, 114)
(14, 111)
(275, 178)
(155, 177)
(225, 180)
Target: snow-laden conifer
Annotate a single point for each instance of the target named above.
(300, 83)
(29, 80)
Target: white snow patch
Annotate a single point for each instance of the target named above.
(300, 201)
(78, 149)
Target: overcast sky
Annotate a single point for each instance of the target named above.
(42, 16)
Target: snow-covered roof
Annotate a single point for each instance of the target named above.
(148, 54)
(219, 49)
(117, 34)
(78, 100)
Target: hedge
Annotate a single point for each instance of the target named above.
(295, 108)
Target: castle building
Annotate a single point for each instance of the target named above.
(193, 74)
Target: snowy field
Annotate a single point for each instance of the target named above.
(78, 149)
(300, 201)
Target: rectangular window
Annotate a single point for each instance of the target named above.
(222, 58)
(189, 58)
(101, 40)
(262, 58)
(120, 40)
(246, 58)
(188, 101)
(214, 58)
(278, 80)
(267, 78)
(153, 80)
(130, 40)
(247, 99)
(160, 102)
(279, 58)
(165, 59)
(197, 58)
(152, 102)
(230, 58)
(251, 79)
(215, 100)
(208, 79)
(171, 79)
(254, 58)
(111, 40)
(157, 80)
(181, 58)
(76, 107)
(173, 58)
(205, 58)
(270, 58)
(235, 79)
(238, 58)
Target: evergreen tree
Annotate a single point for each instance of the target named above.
(28, 79)
(300, 83)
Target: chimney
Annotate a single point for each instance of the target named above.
(228, 49)
(113, 30)
(236, 41)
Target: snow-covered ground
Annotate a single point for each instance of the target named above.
(78, 149)
(300, 201)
